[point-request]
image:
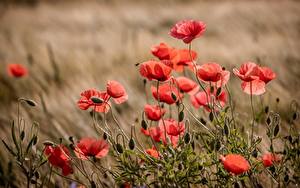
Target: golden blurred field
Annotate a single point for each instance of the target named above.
(93, 41)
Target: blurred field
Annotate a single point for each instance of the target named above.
(93, 41)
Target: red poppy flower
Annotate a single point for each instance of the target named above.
(88, 97)
(162, 51)
(188, 30)
(116, 91)
(266, 74)
(225, 76)
(269, 159)
(187, 85)
(165, 93)
(156, 133)
(248, 71)
(254, 87)
(210, 72)
(155, 70)
(154, 112)
(201, 99)
(182, 58)
(173, 127)
(153, 152)
(16, 70)
(235, 163)
(90, 147)
(58, 156)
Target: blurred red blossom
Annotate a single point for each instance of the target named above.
(91, 147)
(162, 51)
(17, 70)
(188, 30)
(247, 72)
(153, 152)
(187, 85)
(154, 112)
(173, 127)
(155, 70)
(183, 58)
(96, 99)
(269, 159)
(58, 156)
(116, 91)
(164, 93)
(235, 164)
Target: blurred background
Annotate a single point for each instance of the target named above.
(70, 46)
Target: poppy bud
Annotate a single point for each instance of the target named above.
(48, 143)
(35, 140)
(276, 130)
(71, 139)
(277, 100)
(30, 102)
(211, 116)
(267, 109)
(268, 120)
(174, 96)
(181, 116)
(37, 175)
(295, 116)
(72, 146)
(286, 178)
(119, 148)
(202, 121)
(218, 91)
(22, 135)
(104, 136)
(131, 144)
(187, 138)
(97, 100)
(144, 125)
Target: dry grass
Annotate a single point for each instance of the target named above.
(93, 42)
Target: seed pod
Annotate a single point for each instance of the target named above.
(119, 148)
(35, 140)
(37, 175)
(286, 178)
(202, 121)
(226, 129)
(187, 138)
(268, 120)
(131, 144)
(97, 100)
(254, 153)
(144, 125)
(181, 116)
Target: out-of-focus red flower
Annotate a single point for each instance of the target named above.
(16, 70)
(95, 99)
(225, 76)
(254, 87)
(125, 185)
(58, 156)
(201, 99)
(162, 51)
(187, 85)
(188, 30)
(247, 72)
(266, 74)
(91, 147)
(164, 93)
(235, 164)
(269, 159)
(173, 127)
(210, 72)
(155, 70)
(116, 91)
(153, 152)
(182, 58)
(154, 112)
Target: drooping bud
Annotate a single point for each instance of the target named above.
(119, 148)
(131, 144)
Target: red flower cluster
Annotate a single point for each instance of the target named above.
(213, 72)
(58, 156)
(99, 100)
(235, 164)
(90, 147)
(173, 130)
(254, 77)
(17, 70)
(164, 93)
(188, 30)
(155, 70)
(176, 59)
(187, 85)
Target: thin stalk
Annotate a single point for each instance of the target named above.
(253, 113)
